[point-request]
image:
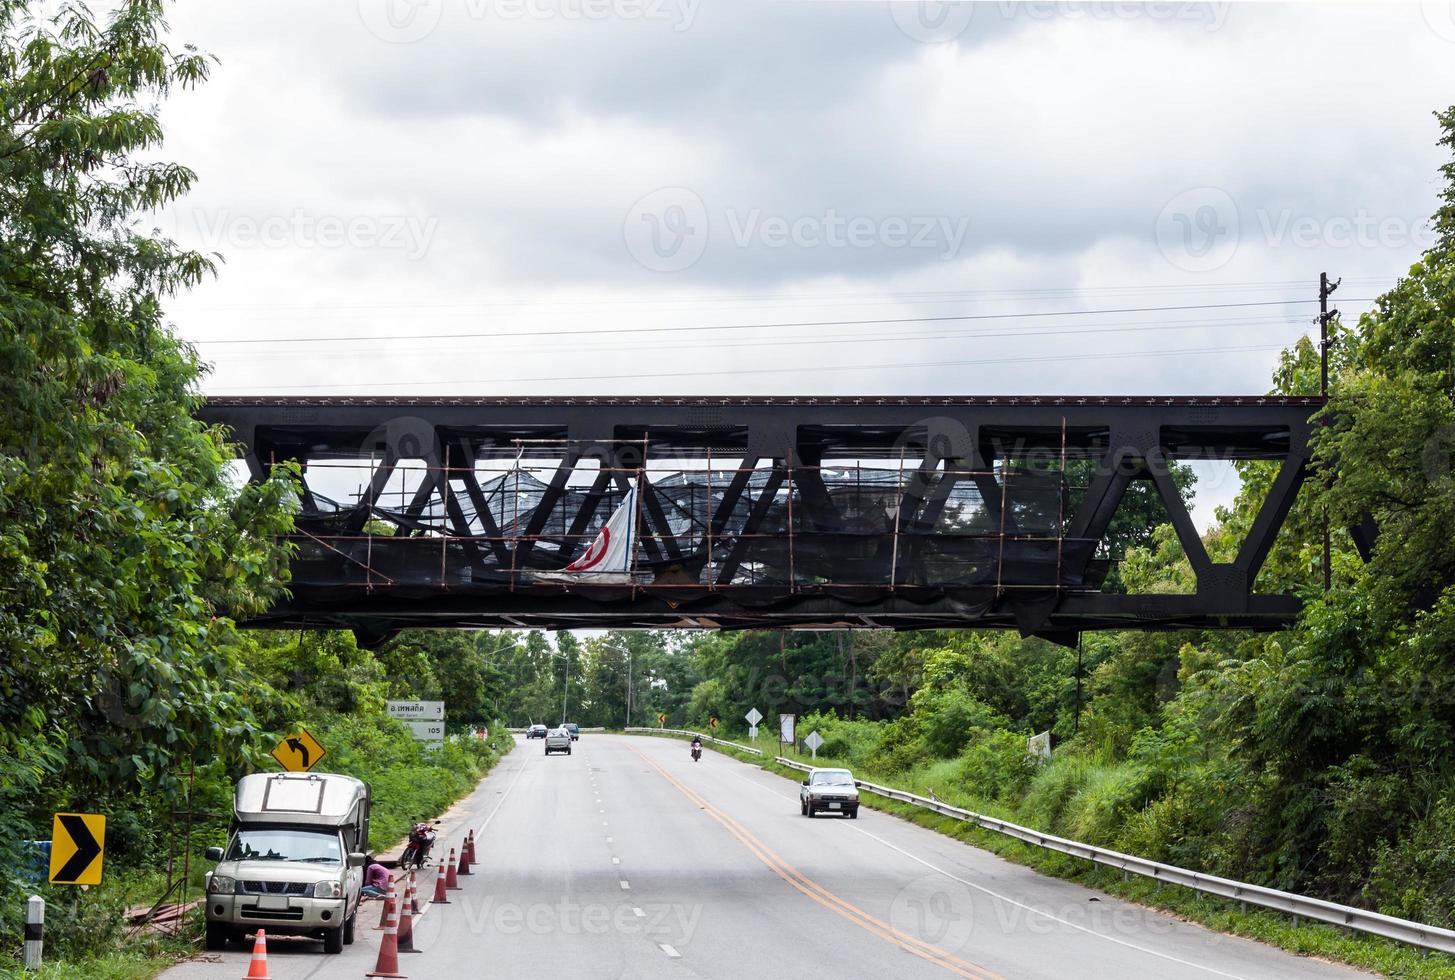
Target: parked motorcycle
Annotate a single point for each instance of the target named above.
(416, 852)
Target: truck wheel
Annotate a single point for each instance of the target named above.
(802, 808)
(568, 751)
(349, 928)
(218, 934)
(808, 810)
(333, 940)
(854, 814)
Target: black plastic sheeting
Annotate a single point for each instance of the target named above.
(848, 531)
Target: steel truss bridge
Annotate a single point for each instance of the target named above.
(808, 512)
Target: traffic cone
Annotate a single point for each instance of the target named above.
(405, 941)
(465, 859)
(258, 967)
(439, 887)
(413, 896)
(384, 912)
(387, 965)
(470, 847)
(451, 881)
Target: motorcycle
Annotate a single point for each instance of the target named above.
(696, 752)
(416, 852)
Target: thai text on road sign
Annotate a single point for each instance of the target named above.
(78, 843)
(299, 752)
(416, 710)
(787, 725)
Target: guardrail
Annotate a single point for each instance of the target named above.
(706, 738)
(1359, 920)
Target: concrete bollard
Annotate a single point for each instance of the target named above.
(34, 931)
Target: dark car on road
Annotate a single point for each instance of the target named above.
(536, 731)
(574, 729)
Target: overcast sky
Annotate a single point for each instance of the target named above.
(531, 173)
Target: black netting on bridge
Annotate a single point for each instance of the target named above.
(822, 527)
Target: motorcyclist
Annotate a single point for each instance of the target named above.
(696, 747)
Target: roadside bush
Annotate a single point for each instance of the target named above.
(1415, 877)
(851, 741)
(996, 766)
(900, 747)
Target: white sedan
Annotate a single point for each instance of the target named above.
(829, 791)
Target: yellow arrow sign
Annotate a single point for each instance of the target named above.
(299, 752)
(78, 841)
(712, 722)
(661, 719)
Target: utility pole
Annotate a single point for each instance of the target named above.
(1326, 315)
(628, 687)
(566, 683)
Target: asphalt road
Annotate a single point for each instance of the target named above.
(626, 859)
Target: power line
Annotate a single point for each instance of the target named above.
(792, 370)
(885, 321)
(1197, 324)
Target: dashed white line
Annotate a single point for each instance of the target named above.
(626, 886)
(671, 951)
(616, 860)
(638, 913)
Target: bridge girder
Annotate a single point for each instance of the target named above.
(804, 512)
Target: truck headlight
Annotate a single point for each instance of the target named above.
(328, 889)
(221, 885)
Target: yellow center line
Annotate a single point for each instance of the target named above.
(818, 893)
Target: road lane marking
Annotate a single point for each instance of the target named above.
(818, 893)
(669, 950)
(616, 860)
(626, 886)
(504, 796)
(638, 913)
(1006, 898)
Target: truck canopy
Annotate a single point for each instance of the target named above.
(305, 799)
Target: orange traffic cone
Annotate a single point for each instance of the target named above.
(387, 965)
(384, 912)
(413, 896)
(465, 859)
(470, 848)
(439, 887)
(451, 881)
(258, 967)
(405, 941)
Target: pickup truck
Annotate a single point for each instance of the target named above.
(829, 791)
(294, 860)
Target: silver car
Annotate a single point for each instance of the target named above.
(829, 791)
(558, 740)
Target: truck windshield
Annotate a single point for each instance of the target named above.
(275, 844)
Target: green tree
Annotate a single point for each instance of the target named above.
(123, 544)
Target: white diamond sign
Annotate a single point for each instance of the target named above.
(753, 716)
(813, 742)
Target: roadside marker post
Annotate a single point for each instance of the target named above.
(34, 931)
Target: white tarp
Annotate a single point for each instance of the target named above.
(609, 556)
(1039, 746)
